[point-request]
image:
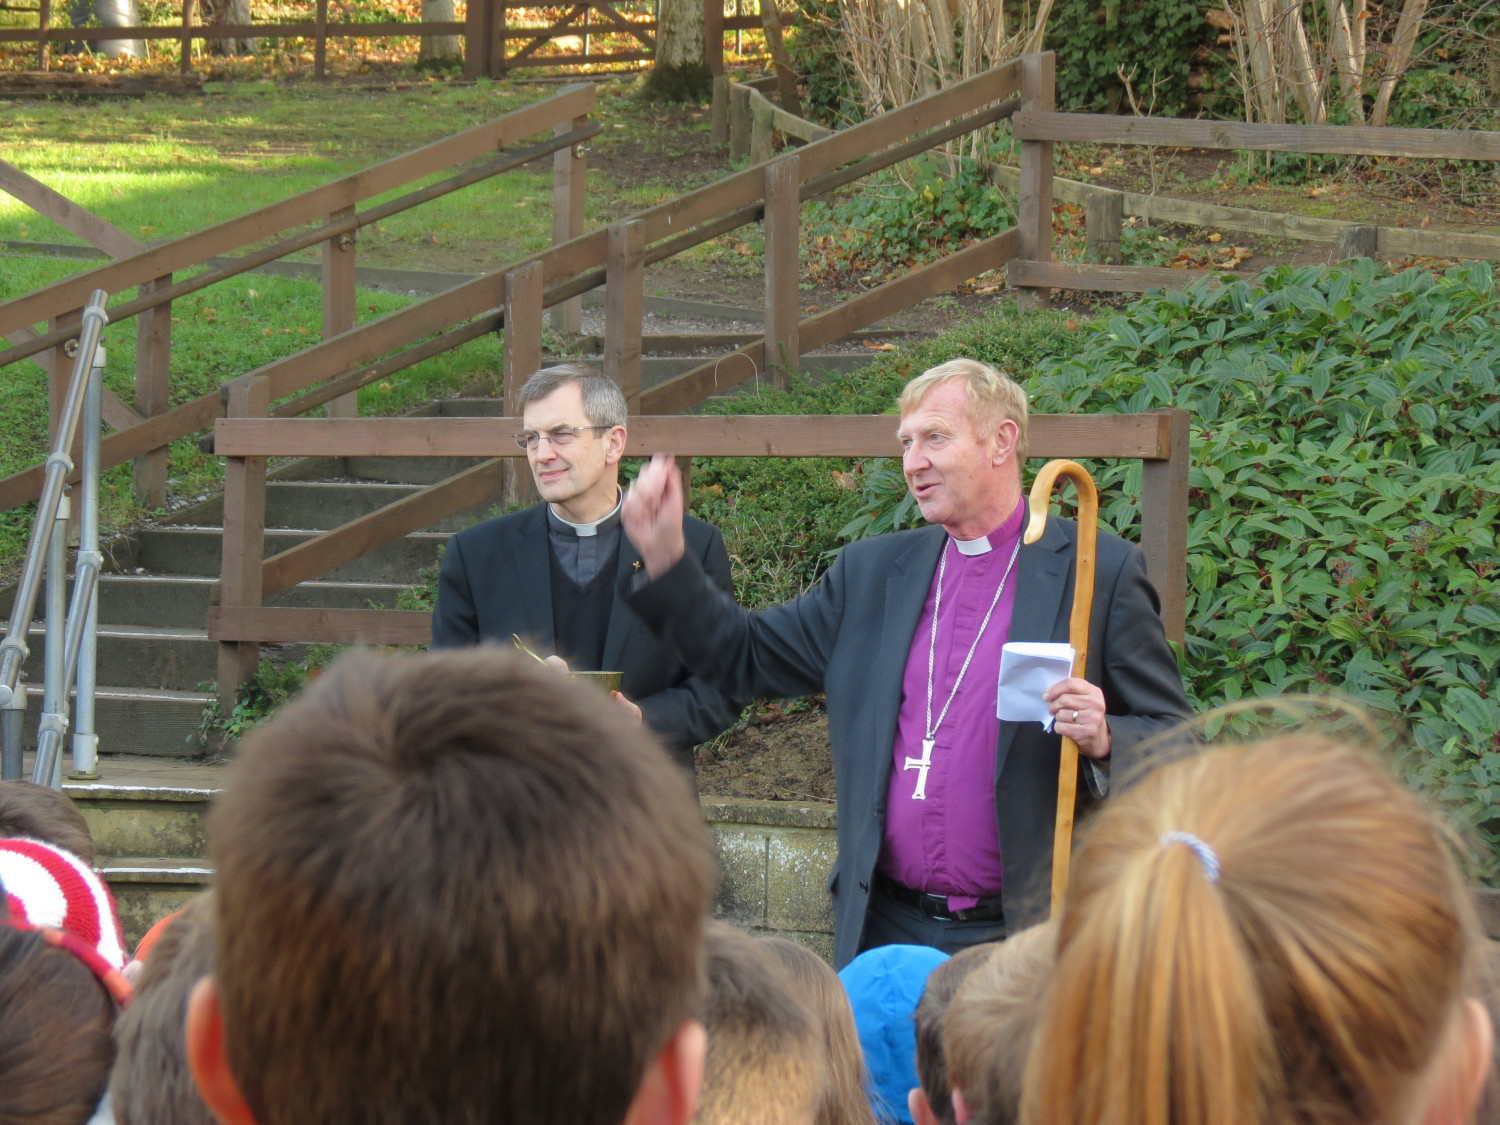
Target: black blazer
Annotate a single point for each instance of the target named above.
(850, 635)
(496, 580)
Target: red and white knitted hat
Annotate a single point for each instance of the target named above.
(49, 888)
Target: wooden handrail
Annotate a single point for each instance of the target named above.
(1158, 439)
(1348, 140)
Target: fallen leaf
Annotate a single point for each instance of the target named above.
(879, 346)
(1216, 237)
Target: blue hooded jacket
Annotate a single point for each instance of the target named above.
(884, 987)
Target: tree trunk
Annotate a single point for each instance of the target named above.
(230, 12)
(680, 73)
(439, 50)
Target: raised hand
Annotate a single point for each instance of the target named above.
(652, 515)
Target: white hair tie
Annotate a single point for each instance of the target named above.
(1206, 855)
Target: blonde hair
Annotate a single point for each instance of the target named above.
(1298, 959)
(992, 1020)
(844, 1099)
(765, 1061)
(994, 397)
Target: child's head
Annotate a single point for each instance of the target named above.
(1269, 932)
(931, 1102)
(844, 1099)
(151, 1083)
(765, 1047)
(456, 886)
(40, 813)
(991, 1022)
(56, 1020)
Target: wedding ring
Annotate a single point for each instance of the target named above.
(1075, 714)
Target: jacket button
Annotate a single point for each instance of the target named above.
(864, 887)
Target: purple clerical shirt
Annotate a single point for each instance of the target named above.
(948, 843)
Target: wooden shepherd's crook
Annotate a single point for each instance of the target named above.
(1078, 637)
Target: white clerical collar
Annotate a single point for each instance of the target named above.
(588, 530)
(980, 546)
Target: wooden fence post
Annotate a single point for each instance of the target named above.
(739, 120)
(320, 41)
(1104, 222)
(1038, 76)
(713, 55)
(242, 576)
(1358, 242)
(339, 299)
(477, 31)
(185, 64)
(499, 63)
(569, 176)
(624, 282)
(783, 269)
(761, 130)
(153, 358)
(61, 374)
(44, 45)
(1164, 520)
(521, 360)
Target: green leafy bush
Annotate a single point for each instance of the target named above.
(828, 85)
(1345, 493)
(892, 224)
(1154, 40)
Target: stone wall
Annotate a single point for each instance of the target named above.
(774, 861)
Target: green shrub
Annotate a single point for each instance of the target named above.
(894, 223)
(1345, 492)
(1154, 40)
(828, 86)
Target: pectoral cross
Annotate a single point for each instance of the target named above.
(921, 765)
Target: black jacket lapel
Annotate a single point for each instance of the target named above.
(531, 573)
(621, 621)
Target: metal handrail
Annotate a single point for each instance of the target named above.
(71, 645)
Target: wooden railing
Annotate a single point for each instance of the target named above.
(495, 39)
(241, 623)
(145, 430)
(514, 299)
(1038, 127)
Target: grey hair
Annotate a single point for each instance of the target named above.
(603, 404)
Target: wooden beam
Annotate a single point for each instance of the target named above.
(244, 540)
(1348, 140)
(1164, 520)
(323, 626)
(306, 207)
(783, 269)
(153, 393)
(1103, 279)
(116, 414)
(521, 360)
(739, 435)
(340, 297)
(569, 176)
(98, 233)
(624, 297)
(384, 525)
(1034, 211)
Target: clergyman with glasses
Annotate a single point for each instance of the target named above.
(550, 574)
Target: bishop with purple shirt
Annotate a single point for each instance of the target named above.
(946, 814)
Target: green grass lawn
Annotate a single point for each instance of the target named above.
(217, 335)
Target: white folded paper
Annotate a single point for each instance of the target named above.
(1027, 669)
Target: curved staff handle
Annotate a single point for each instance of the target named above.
(1078, 637)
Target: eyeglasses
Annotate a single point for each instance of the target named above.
(563, 435)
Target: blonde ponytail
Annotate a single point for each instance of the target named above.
(1263, 933)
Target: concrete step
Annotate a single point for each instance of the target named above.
(321, 505)
(199, 550)
(148, 888)
(164, 817)
(181, 601)
(153, 722)
(177, 659)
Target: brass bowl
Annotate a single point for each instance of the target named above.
(605, 681)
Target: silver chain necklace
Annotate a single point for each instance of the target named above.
(929, 735)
